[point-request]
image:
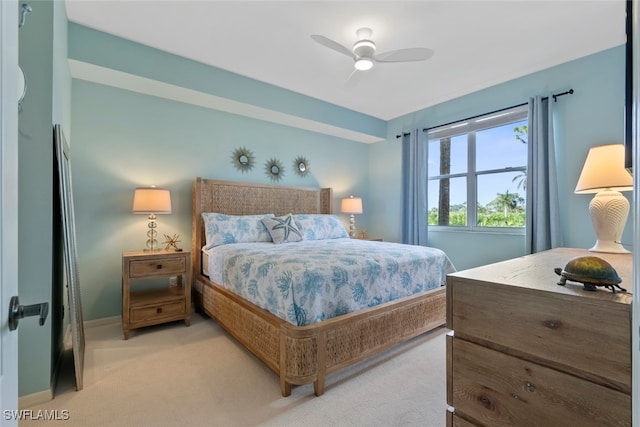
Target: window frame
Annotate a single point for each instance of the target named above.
(470, 127)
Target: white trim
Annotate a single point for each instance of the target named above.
(8, 203)
(34, 399)
(106, 76)
(102, 322)
(105, 321)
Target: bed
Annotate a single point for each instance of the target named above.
(307, 351)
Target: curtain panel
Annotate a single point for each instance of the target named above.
(542, 208)
(414, 188)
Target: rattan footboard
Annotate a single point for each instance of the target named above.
(299, 355)
(305, 354)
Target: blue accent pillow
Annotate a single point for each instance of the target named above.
(283, 229)
(222, 229)
(320, 227)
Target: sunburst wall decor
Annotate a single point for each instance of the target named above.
(301, 166)
(242, 159)
(274, 170)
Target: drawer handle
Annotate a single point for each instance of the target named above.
(159, 266)
(158, 310)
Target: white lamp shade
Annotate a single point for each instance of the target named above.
(151, 200)
(604, 169)
(352, 205)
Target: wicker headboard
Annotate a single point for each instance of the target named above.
(238, 198)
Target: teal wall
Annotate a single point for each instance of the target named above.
(593, 115)
(122, 140)
(42, 55)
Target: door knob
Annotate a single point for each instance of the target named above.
(17, 312)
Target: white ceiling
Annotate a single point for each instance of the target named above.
(477, 43)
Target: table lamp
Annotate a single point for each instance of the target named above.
(352, 205)
(604, 174)
(151, 201)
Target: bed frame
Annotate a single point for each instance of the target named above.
(299, 354)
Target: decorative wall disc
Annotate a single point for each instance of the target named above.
(301, 166)
(242, 159)
(274, 169)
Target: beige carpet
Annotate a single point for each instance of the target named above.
(171, 375)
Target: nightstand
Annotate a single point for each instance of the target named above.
(371, 239)
(159, 304)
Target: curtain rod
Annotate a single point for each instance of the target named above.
(554, 96)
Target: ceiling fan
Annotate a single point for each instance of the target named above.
(364, 51)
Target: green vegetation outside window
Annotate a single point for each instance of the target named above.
(477, 172)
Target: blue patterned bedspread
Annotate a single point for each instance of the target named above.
(311, 281)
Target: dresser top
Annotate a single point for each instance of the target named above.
(536, 272)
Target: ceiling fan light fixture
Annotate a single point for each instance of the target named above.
(365, 48)
(363, 64)
(363, 51)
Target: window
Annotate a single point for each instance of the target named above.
(477, 172)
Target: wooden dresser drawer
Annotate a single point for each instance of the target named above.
(157, 267)
(500, 389)
(548, 329)
(453, 420)
(157, 311)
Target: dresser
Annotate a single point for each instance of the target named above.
(525, 351)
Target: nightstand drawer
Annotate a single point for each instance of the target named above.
(157, 266)
(157, 311)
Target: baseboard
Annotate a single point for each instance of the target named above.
(68, 337)
(102, 322)
(35, 399)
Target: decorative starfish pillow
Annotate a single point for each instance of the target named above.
(283, 229)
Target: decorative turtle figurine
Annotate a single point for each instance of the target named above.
(591, 271)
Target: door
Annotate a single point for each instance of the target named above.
(8, 208)
(635, 315)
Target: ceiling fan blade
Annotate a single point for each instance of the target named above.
(405, 55)
(332, 45)
(355, 79)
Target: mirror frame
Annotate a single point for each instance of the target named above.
(240, 164)
(269, 167)
(301, 166)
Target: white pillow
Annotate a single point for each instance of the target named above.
(320, 226)
(222, 229)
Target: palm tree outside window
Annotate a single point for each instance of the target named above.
(477, 172)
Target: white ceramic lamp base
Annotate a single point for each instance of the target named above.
(609, 211)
